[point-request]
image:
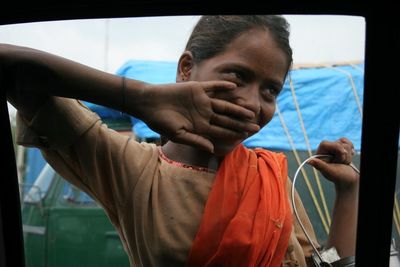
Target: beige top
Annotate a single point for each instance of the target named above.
(154, 204)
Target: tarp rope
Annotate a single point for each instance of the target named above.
(317, 179)
(353, 86)
(306, 179)
(357, 68)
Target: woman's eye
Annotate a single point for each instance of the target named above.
(233, 76)
(236, 75)
(270, 92)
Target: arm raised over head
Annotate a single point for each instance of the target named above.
(183, 112)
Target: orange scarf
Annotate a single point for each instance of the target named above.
(247, 218)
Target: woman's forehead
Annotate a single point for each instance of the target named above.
(258, 41)
(257, 49)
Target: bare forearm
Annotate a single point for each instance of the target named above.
(344, 222)
(30, 76)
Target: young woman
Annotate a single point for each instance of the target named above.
(202, 198)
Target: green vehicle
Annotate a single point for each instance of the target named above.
(63, 226)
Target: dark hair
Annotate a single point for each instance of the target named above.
(212, 34)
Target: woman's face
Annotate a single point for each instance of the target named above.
(255, 63)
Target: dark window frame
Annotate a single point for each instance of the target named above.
(380, 131)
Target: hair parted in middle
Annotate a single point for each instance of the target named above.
(212, 34)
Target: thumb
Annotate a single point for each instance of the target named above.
(191, 139)
(320, 165)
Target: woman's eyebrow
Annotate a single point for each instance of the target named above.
(237, 66)
(274, 82)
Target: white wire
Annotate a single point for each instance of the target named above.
(294, 205)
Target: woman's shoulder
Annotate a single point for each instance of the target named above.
(269, 151)
(277, 156)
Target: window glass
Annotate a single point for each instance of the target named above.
(39, 188)
(395, 245)
(321, 99)
(72, 195)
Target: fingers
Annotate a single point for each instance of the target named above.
(204, 143)
(348, 144)
(227, 108)
(342, 150)
(325, 168)
(211, 86)
(342, 175)
(188, 138)
(218, 132)
(233, 124)
(347, 150)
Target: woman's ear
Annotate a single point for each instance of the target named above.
(185, 64)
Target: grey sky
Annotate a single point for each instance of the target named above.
(107, 44)
(315, 39)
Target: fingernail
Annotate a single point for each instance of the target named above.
(232, 85)
(256, 127)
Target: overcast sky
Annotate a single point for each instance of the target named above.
(106, 44)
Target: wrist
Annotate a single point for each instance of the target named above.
(348, 187)
(136, 95)
(351, 183)
(345, 188)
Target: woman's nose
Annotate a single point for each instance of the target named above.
(249, 97)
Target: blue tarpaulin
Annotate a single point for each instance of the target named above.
(104, 112)
(326, 97)
(327, 106)
(34, 163)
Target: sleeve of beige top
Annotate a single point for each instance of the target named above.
(86, 152)
(56, 125)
